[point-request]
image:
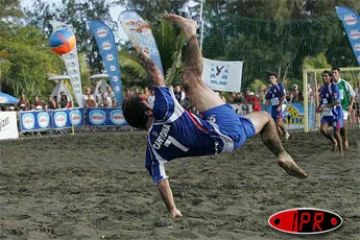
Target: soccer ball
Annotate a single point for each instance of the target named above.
(62, 41)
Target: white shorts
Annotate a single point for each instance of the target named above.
(346, 114)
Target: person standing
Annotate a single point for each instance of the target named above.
(276, 97)
(331, 111)
(347, 97)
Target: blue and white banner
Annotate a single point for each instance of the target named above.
(35, 121)
(140, 34)
(105, 40)
(351, 23)
(222, 75)
(72, 64)
(67, 118)
(105, 117)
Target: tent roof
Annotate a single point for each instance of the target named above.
(102, 75)
(6, 98)
(59, 77)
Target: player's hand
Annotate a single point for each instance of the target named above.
(175, 213)
(279, 108)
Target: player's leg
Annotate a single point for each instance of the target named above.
(202, 97)
(344, 135)
(265, 125)
(339, 140)
(324, 130)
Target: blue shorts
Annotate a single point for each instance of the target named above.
(275, 114)
(238, 128)
(337, 120)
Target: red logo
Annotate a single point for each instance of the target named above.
(355, 34)
(357, 47)
(305, 221)
(101, 32)
(349, 20)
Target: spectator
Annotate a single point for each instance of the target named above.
(232, 97)
(254, 101)
(145, 95)
(110, 93)
(63, 101)
(179, 94)
(23, 104)
(239, 98)
(90, 102)
(51, 104)
(261, 94)
(128, 93)
(105, 100)
(137, 92)
(38, 104)
(151, 98)
(296, 95)
(247, 95)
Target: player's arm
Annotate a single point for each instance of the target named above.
(168, 198)
(351, 93)
(154, 72)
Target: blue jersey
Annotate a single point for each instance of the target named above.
(177, 133)
(275, 94)
(330, 94)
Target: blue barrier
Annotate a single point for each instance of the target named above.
(35, 121)
(67, 118)
(105, 117)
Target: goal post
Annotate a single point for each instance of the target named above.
(311, 80)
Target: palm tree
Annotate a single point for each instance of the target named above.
(169, 43)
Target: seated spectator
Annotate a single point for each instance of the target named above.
(110, 93)
(128, 93)
(179, 94)
(105, 101)
(90, 102)
(231, 97)
(63, 101)
(296, 95)
(255, 102)
(51, 104)
(38, 104)
(23, 104)
(239, 98)
(247, 95)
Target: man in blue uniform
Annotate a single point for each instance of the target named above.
(275, 96)
(174, 132)
(331, 111)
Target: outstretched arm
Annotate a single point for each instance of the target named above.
(151, 68)
(167, 196)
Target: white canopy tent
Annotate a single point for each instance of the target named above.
(60, 87)
(101, 82)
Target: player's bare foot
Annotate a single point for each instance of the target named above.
(291, 167)
(334, 146)
(188, 26)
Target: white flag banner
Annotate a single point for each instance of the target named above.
(72, 64)
(222, 75)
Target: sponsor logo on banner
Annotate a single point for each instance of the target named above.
(112, 68)
(117, 88)
(358, 59)
(28, 120)
(43, 119)
(101, 32)
(355, 34)
(97, 117)
(106, 46)
(75, 117)
(60, 119)
(110, 57)
(117, 117)
(219, 74)
(115, 78)
(350, 19)
(307, 221)
(357, 47)
(3, 99)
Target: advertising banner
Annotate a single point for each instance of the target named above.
(8, 125)
(105, 117)
(35, 121)
(67, 118)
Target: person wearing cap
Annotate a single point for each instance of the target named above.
(275, 97)
(347, 97)
(331, 111)
(296, 95)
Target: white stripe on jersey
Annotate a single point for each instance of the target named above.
(177, 144)
(159, 159)
(227, 141)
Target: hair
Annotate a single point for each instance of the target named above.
(134, 112)
(272, 74)
(328, 73)
(335, 68)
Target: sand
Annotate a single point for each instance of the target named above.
(94, 186)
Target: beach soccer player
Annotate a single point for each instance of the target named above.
(174, 132)
(275, 97)
(331, 111)
(347, 97)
